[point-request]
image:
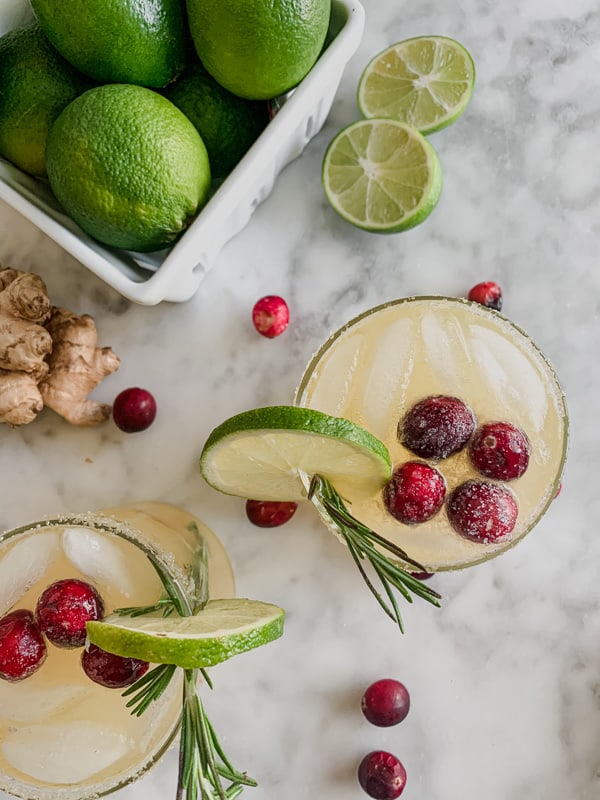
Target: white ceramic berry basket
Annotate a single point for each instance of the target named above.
(175, 274)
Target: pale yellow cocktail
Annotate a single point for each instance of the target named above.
(381, 363)
(62, 735)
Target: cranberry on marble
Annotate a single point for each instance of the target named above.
(382, 775)
(488, 294)
(386, 702)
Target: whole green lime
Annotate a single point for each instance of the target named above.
(36, 83)
(228, 124)
(258, 49)
(118, 41)
(128, 166)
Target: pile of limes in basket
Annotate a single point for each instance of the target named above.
(134, 111)
(380, 173)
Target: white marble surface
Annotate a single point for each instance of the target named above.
(505, 678)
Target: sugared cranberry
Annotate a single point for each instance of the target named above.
(500, 450)
(22, 646)
(270, 513)
(64, 608)
(415, 492)
(483, 512)
(487, 294)
(107, 669)
(437, 427)
(382, 775)
(134, 410)
(386, 702)
(270, 316)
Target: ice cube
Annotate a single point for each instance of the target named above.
(386, 377)
(510, 373)
(98, 557)
(21, 702)
(24, 564)
(65, 754)
(445, 350)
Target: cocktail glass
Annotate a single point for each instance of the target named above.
(63, 737)
(374, 368)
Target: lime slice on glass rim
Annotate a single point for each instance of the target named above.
(293, 453)
(220, 630)
(266, 454)
(381, 175)
(425, 82)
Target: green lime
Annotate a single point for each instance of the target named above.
(426, 82)
(258, 48)
(36, 84)
(381, 175)
(118, 41)
(128, 166)
(268, 454)
(222, 629)
(228, 124)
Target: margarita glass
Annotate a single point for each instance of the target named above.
(62, 735)
(377, 366)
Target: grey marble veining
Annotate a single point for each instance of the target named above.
(505, 677)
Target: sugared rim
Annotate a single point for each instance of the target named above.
(111, 527)
(483, 311)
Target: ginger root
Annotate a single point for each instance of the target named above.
(20, 398)
(77, 366)
(24, 307)
(48, 355)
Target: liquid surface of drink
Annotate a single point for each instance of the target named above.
(61, 735)
(374, 369)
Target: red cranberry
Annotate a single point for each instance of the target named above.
(437, 427)
(422, 576)
(381, 775)
(499, 450)
(107, 669)
(22, 646)
(386, 702)
(487, 294)
(415, 492)
(270, 316)
(559, 490)
(63, 609)
(483, 512)
(134, 410)
(270, 513)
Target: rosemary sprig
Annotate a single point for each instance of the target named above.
(165, 605)
(203, 765)
(361, 542)
(149, 688)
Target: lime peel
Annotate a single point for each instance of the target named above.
(222, 629)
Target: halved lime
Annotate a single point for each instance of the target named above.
(382, 175)
(268, 453)
(426, 82)
(222, 629)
